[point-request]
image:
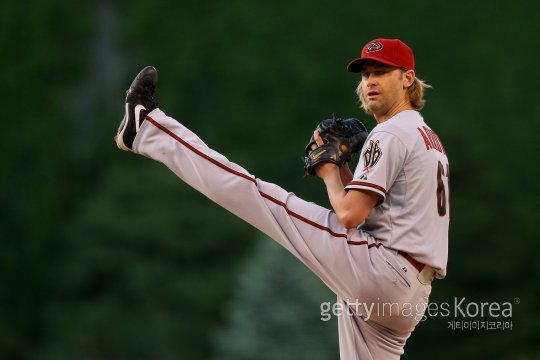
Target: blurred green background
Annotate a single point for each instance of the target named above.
(106, 255)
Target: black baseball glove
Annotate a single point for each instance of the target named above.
(342, 138)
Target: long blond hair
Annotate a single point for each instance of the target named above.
(415, 92)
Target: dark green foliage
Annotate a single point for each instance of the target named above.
(105, 255)
(275, 312)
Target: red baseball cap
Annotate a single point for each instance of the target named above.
(393, 52)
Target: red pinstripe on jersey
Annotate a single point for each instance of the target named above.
(247, 177)
(280, 203)
(363, 183)
(363, 242)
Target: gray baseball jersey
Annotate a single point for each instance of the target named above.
(383, 296)
(404, 161)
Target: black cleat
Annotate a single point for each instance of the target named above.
(140, 101)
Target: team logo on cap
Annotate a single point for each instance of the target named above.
(374, 46)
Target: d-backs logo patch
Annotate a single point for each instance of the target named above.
(374, 46)
(372, 154)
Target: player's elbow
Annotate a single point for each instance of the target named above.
(354, 207)
(351, 219)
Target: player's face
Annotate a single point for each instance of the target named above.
(384, 88)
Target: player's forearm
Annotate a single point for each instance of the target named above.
(349, 212)
(345, 174)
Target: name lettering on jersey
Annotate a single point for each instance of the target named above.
(431, 139)
(372, 154)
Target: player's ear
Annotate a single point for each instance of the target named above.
(408, 78)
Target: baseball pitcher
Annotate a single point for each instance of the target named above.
(385, 238)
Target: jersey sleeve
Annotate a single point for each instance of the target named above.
(381, 160)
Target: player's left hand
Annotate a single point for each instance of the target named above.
(334, 141)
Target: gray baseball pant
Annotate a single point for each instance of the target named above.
(381, 294)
